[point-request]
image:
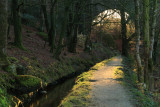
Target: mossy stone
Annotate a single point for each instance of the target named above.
(27, 83)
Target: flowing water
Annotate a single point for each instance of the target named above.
(54, 95)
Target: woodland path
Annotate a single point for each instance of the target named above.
(106, 90)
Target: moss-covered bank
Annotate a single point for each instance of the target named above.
(80, 94)
(26, 76)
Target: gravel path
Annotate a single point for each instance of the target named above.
(106, 91)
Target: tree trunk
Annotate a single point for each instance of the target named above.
(88, 28)
(73, 40)
(156, 47)
(44, 9)
(152, 36)
(3, 33)
(17, 24)
(51, 34)
(146, 38)
(41, 27)
(70, 28)
(63, 31)
(137, 27)
(125, 42)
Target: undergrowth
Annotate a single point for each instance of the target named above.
(143, 97)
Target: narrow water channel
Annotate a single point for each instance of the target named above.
(54, 95)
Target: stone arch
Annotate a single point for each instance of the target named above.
(98, 6)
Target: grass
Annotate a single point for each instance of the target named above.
(80, 94)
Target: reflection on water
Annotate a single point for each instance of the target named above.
(54, 95)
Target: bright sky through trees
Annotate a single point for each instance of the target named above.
(109, 14)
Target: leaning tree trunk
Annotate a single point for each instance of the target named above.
(3, 32)
(62, 34)
(137, 27)
(125, 42)
(152, 36)
(146, 38)
(17, 24)
(60, 45)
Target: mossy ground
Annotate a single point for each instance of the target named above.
(80, 94)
